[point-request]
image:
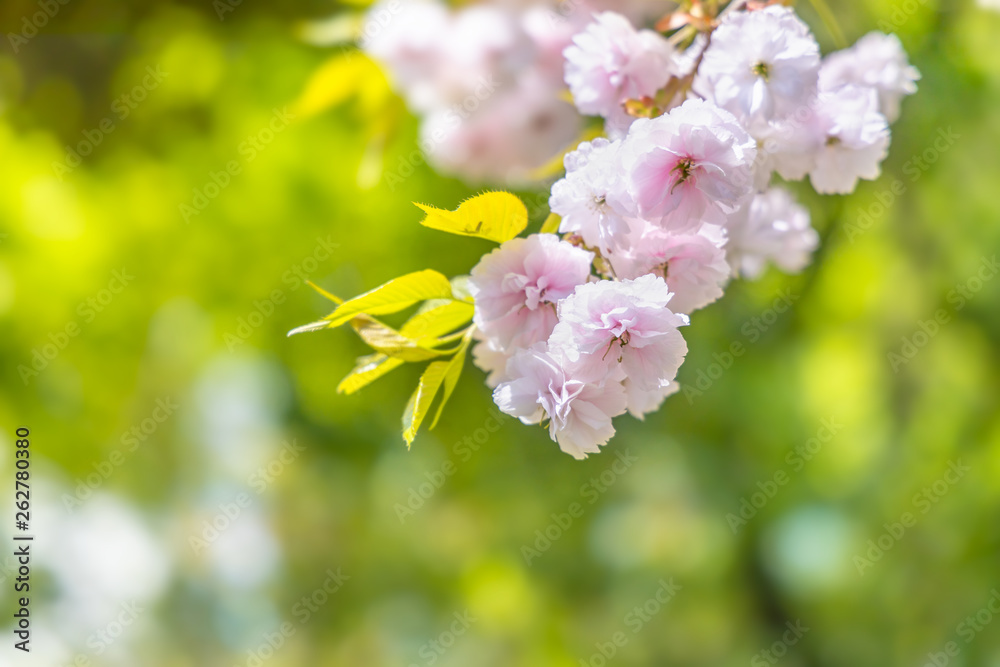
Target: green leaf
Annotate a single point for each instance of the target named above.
(390, 342)
(551, 224)
(451, 376)
(312, 326)
(367, 370)
(495, 216)
(329, 295)
(393, 296)
(438, 321)
(346, 75)
(421, 400)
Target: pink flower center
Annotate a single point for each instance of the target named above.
(617, 322)
(534, 292)
(622, 341)
(558, 404)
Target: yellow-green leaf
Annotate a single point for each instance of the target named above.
(388, 341)
(346, 75)
(329, 295)
(367, 370)
(421, 400)
(451, 376)
(495, 216)
(438, 321)
(393, 296)
(551, 224)
(312, 326)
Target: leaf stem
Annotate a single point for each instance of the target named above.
(458, 335)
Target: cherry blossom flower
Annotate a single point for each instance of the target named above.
(772, 228)
(788, 147)
(587, 198)
(490, 358)
(517, 286)
(761, 65)
(504, 136)
(853, 139)
(693, 265)
(878, 61)
(552, 32)
(485, 79)
(579, 412)
(437, 58)
(407, 45)
(688, 167)
(611, 62)
(667, 209)
(641, 402)
(604, 324)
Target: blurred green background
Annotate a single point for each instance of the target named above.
(179, 401)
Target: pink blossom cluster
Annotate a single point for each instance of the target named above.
(575, 330)
(486, 79)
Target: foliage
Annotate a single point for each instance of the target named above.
(445, 308)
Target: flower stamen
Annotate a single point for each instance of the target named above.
(684, 168)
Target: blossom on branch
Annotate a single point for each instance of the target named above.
(576, 328)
